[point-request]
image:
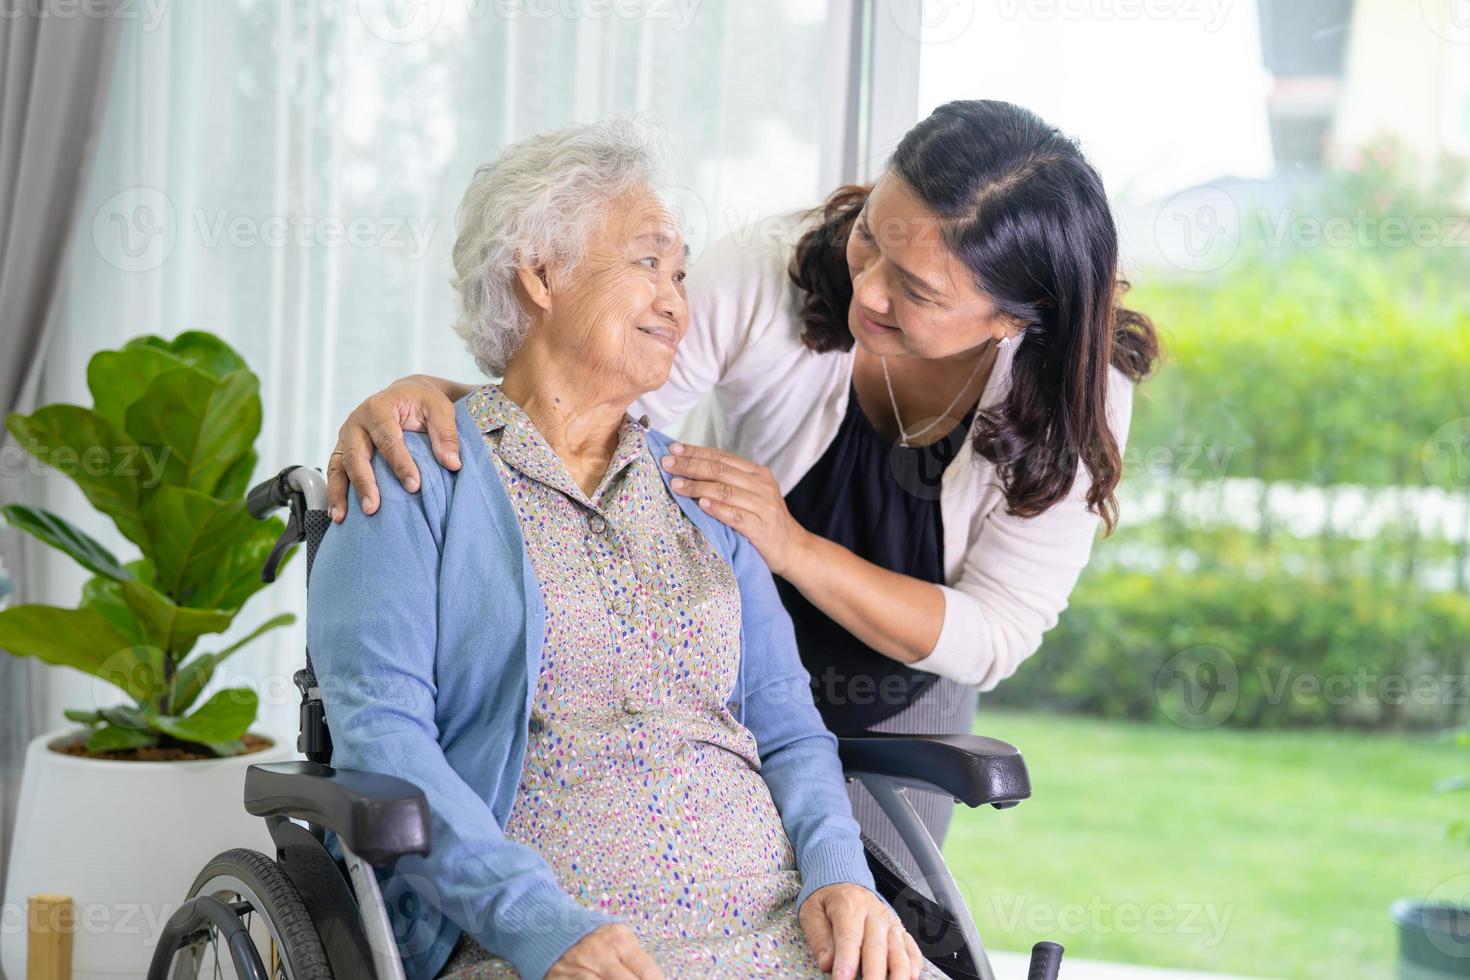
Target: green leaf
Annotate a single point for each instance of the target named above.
(232, 747)
(110, 738)
(191, 534)
(203, 350)
(127, 716)
(169, 626)
(222, 718)
(106, 596)
(59, 533)
(195, 673)
(85, 717)
(236, 480)
(205, 424)
(85, 640)
(118, 378)
(101, 459)
(237, 577)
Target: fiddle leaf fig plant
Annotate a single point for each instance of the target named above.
(166, 452)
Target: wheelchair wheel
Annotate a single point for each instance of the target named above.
(279, 925)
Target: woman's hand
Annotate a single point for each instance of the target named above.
(609, 952)
(850, 928)
(742, 495)
(416, 403)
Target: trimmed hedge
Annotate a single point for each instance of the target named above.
(1303, 652)
(1315, 368)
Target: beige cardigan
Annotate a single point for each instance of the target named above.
(780, 404)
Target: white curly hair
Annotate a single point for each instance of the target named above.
(537, 204)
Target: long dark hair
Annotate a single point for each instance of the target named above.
(1027, 215)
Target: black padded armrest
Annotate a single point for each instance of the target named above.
(971, 768)
(379, 817)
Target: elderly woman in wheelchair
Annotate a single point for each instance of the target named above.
(593, 682)
(553, 716)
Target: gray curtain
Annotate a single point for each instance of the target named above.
(54, 64)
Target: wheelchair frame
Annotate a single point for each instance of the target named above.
(378, 818)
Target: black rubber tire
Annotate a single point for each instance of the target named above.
(300, 945)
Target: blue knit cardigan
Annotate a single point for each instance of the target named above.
(425, 625)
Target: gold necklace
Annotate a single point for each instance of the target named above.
(903, 435)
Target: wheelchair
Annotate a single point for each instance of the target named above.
(306, 914)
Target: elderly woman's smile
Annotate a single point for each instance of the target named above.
(613, 319)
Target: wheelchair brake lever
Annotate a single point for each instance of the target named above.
(292, 536)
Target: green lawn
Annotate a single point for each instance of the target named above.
(1271, 854)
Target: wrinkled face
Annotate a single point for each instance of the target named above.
(911, 297)
(616, 319)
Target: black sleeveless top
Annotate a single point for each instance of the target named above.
(881, 502)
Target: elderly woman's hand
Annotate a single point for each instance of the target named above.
(608, 952)
(741, 494)
(416, 403)
(855, 933)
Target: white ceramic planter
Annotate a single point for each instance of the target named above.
(125, 840)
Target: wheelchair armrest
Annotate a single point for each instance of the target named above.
(971, 768)
(378, 817)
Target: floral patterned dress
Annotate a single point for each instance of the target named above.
(640, 788)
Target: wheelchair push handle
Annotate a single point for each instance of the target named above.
(1046, 960)
(301, 482)
(303, 490)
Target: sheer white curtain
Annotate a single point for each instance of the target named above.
(284, 173)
